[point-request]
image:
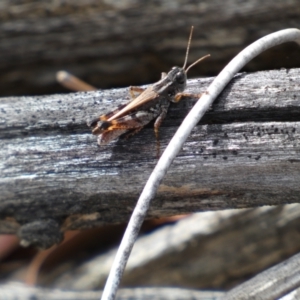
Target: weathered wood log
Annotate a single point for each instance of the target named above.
(17, 291)
(274, 283)
(211, 250)
(244, 153)
(112, 44)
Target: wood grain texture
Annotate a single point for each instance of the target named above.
(111, 44)
(245, 153)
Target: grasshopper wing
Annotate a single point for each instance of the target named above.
(146, 96)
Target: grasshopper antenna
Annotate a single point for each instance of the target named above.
(187, 54)
(188, 48)
(197, 61)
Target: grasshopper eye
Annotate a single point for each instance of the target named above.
(180, 78)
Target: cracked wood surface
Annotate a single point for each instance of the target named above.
(244, 153)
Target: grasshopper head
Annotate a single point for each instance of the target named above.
(177, 78)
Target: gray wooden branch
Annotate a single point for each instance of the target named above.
(274, 283)
(210, 250)
(238, 244)
(54, 177)
(18, 291)
(109, 43)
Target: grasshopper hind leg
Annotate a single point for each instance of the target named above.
(135, 91)
(94, 122)
(107, 136)
(132, 132)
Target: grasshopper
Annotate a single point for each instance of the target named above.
(151, 103)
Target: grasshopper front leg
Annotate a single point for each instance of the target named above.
(178, 96)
